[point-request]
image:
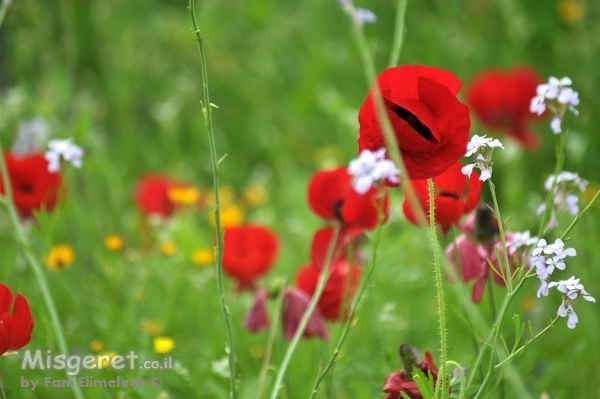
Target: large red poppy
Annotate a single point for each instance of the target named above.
(33, 187)
(15, 329)
(248, 253)
(455, 196)
(501, 100)
(430, 124)
(331, 196)
(332, 298)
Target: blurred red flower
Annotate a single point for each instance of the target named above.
(152, 195)
(15, 329)
(33, 187)
(322, 239)
(257, 318)
(331, 196)
(249, 252)
(430, 124)
(397, 381)
(331, 301)
(455, 196)
(501, 100)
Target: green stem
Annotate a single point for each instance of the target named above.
(517, 352)
(270, 342)
(560, 149)
(23, 241)
(399, 33)
(441, 389)
(506, 264)
(3, 7)
(312, 305)
(207, 111)
(462, 377)
(2, 394)
(580, 215)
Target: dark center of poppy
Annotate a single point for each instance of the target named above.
(450, 195)
(26, 188)
(337, 210)
(415, 123)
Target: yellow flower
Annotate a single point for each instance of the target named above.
(60, 257)
(152, 327)
(104, 359)
(329, 157)
(203, 256)
(168, 248)
(257, 351)
(163, 345)
(254, 195)
(231, 216)
(186, 195)
(96, 345)
(570, 11)
(114, 242)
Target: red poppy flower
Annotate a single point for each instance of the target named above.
(33, 187)
(15, 329)
(332, 297)
(248, 253)
(295, 303)
(397, 382)
(501, 100)
(430, 124)
(152, 195)
(455, 196)
(322, 240)
(331, 196)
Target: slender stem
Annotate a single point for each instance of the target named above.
(462, 377)
(270, 342)
(399, 33)
(517, 352)
(506, 265)
(2, 394)
(560, 149)
(207, 111)
(441, 389)
(357, 299)
(312, 305)
(580, 215)
(40, 277)
(3, 7)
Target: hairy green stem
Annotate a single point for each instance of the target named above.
(441, 390)
(40, 277)
(312, 305)
(207, 111)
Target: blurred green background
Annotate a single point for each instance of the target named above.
(123, 78)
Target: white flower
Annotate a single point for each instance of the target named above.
(65, 149)
(519, 240)
(371, 167)
(560, 98)
(543, 290)
(364, 16)
(562, 187)
(571, 290)
(555, 125)
(483, 147)
(477, 142)
(538, 105)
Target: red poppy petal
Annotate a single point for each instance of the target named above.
(478, 290)
(362, 210)
(468, 264)
(5, 323)
(22, 323)
(327, 190)
(6, 299)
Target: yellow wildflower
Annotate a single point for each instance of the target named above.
(96, 345)
(231, 216)
(203, 256)
(152, 327)
(257, 351)
(570, 11)
(60, 257)
(186, 195)
(163, 345)
(226, 196)
(114, 242)
(168, 248)
(104, 359)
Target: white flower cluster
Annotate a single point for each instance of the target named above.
(562, 187)
(547, 257)
(558, 97)
(518, 240)
(482, 147)
(65, 149)
(571, 290)
(371, 167)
